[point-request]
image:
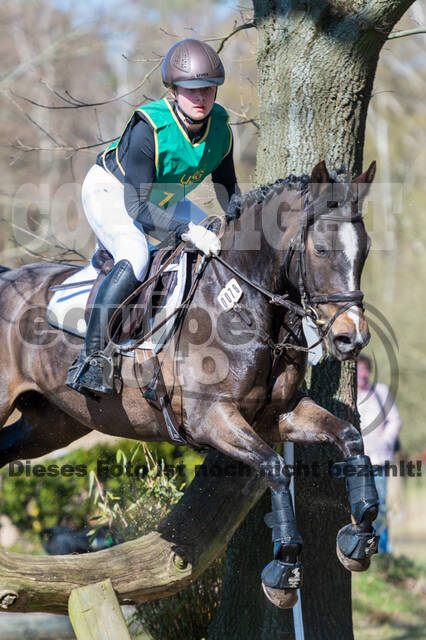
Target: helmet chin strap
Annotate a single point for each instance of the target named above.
(185, 116)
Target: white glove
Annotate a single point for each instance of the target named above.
(203, 239)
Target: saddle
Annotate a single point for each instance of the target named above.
(72, 301)
(150, 300)
(70, 306)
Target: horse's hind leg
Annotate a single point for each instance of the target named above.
(42, 428)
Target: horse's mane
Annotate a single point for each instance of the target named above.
(239, 203)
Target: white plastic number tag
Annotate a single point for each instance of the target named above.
(230, 295)
(312, 336)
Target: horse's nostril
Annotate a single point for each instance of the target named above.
(344, 342)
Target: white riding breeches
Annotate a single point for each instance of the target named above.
(123, 237)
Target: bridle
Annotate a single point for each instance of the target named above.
(311, 212)
(297, 247)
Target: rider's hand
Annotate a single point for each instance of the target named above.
(203, 239)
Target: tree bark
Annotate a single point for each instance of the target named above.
(316, 65)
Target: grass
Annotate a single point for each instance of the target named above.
(389, 600)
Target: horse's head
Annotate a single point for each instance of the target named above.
(329, 251)
(313, 242)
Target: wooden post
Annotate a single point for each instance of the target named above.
(95, 613)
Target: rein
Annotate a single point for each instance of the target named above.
(311, 211)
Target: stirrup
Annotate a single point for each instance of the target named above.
(92, 375)
(97, 376)
(75, 371)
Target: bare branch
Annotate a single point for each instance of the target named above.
(65, 251)
(27, 115)
(250, 121)
(409, 32)
(241, 27)
(47, 54)
(222, 39)
(62, 147)
(55, 92)
(59, 258)
(123, 55)
(82, 105)
(175, 35)
(98, 125)
(245, 118)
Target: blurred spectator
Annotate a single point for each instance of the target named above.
(380, 425)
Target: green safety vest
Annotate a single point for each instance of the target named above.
(180, 165)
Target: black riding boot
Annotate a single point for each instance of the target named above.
(87, 373)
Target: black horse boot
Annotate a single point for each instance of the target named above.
(91, 373)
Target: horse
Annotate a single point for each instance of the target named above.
(296, 249)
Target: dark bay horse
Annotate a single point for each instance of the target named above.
(297, 249)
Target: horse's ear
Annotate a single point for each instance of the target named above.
(368, 176)
(364, 181)
(319, 179)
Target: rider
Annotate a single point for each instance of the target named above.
(138, 186)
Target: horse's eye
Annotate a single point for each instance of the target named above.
(320, 250)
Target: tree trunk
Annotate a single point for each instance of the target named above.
(316, 66)
(244, 612)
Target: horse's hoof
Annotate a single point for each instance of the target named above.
(350, 563)
(282, 598)
(354, 548)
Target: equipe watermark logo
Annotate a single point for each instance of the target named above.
(214, 341)
(215, 338)
(378, 401)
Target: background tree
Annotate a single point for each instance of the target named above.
(316, 65)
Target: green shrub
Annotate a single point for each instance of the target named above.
(188, 613)
(34, 503)
(131, 506)
(397, 569)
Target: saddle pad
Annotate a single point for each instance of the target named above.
(66, 308)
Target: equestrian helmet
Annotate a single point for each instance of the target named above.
(192, 64)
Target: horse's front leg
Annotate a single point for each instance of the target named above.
(309, 423)
(224, 428)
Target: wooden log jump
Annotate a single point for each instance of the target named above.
(153, 566)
